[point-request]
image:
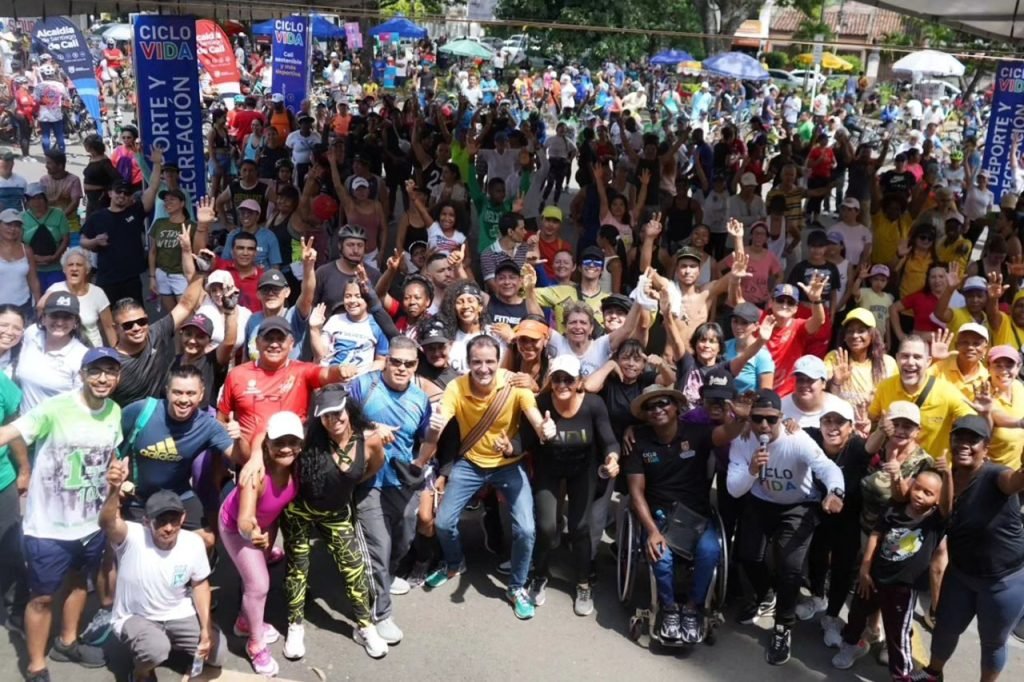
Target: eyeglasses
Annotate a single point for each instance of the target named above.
(96, 372)
(655, 405)
(408, 364)
(129, 325)
(759, 418)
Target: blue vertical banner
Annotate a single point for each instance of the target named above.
(167, 81)
(60, 37)
(290, 62)
(1006, 121)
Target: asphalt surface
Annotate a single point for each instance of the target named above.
(465, 630)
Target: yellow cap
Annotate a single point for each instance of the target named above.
(862, 315)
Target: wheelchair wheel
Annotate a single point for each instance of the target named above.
(720, 585)
(627, 538)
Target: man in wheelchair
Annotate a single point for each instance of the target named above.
(669, 476)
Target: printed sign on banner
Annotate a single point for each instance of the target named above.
(1005, 122)
(60, 37)
(168, 94)
(217, 58)
(353, 36)
(291, 60)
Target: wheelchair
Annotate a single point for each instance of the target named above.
(632, 558)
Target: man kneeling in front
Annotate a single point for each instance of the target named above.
(162, 599)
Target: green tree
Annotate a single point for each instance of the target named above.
(415, 8)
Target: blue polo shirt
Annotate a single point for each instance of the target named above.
(409, 410)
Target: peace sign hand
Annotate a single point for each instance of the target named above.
(185, 239)
(308, 252)
(395, 261)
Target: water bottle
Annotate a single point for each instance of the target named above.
(197, 665)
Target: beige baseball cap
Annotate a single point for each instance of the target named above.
(903, 409)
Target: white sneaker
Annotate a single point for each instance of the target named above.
(809, 608)
(370, 640)
(295, 642)
(848, 655)
(399, 586)
(389, 631)
(832, 627)
(872, 636)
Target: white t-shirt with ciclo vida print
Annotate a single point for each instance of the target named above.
(74, 446)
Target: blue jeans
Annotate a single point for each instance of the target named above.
(706, 557)
(467, 478)
(998, 604)
(55, 127)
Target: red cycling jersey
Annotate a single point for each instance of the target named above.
(114, 57)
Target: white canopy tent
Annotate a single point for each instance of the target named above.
(996, 19)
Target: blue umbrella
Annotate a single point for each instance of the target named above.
(322, 28)
(671, 57)
(735, 65)
(400, 25)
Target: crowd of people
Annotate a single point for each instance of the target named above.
(382, 315)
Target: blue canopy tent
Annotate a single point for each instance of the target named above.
(322, 29)
(735, 65)
(400, 25)
(671, 58)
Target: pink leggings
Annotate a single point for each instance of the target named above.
(251, 564)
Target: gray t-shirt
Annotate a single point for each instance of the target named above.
(331, 283)
(142, 374)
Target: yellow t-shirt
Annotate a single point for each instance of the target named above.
(467, 409)
(878, 304)
(948, 370)
(887, 235)
(945, 404)
(957, 252)
(1007, 444)
(915, 274)
(1006, 336)
(557, 297)
(962, 316)
(861, 386)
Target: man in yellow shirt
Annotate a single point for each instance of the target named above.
(975, 291)
(966, 369)
(487, 408)
(889, 226)
(942, 405)
(954, 247)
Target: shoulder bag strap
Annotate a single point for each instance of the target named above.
(129, 443)
(924, 394)
(487, 420)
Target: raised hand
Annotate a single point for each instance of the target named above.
(204, 210)
(529, 277)
(156, 155)
(982, 402)
(318, 316)
(841, 369)
(767, 328)
(503, 330)
(742, 406)
(117, 473)
(645, 177)
(816, 287)
(735, 229)
(953, 275)
(185, 239)
(903, 248)
(308, 252)
(517, 205)
(739, 265)
(940, 343)
(395, 261)
(996, 288)
(653, 227)
(456, 257)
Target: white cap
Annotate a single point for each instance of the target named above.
(277, 97)
(748, 180)
(568, 363)
(284, 424)
(975, 283)
(810, 366)
(979, 329)
(840, 407)
(221, 277)
(904, 409)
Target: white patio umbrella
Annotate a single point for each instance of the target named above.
(122, 33)
(929, 63)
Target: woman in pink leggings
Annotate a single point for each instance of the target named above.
(248, 524)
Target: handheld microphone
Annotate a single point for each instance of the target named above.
(763, 442)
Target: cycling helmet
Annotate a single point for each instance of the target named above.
(45, 57)
(20, 80)
(351, 232)
(111, 42)
(956, 155)
(47, 71)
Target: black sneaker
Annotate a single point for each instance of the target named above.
(670, 631)
(754, 610)
(778, 648)
(16, 623)
(82, 654)
(38, 676)
(689, 626)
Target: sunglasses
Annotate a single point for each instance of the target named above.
(408, 364)
(128, 325)
(760, 418)
(593, 264)
(562, 378)
(785, 302)
(655, 405)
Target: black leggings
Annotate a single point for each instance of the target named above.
(580, 485)
(784, 532)
(835, 548)
(557, 177)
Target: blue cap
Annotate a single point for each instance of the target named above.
(786, 290)
(102, 353)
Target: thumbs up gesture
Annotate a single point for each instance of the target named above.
(547, 427)
(259, 539)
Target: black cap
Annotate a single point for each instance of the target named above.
(170, 166)
(507, 264)
(200, 322)
(434, 332)
(329, 399)
(272, 324)
(719, 384)
(767, 399)
(689, 252)
(121, 186)
(817, 238)
(177, 193)
(617, 301)
(975, 424)
(592, 253)
(163, 501)
(272, 278)
(748, 312)
(62, 302)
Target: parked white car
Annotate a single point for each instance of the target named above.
(795, 78)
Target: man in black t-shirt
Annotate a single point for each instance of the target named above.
(670, 466)
(816, 264)
(898, 180)
(507, 305)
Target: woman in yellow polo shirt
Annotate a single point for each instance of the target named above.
(1007, 407)
(915, 259)
(860, 362)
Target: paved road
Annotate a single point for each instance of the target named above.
(466, 631)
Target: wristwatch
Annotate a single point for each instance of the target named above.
(838, 492)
